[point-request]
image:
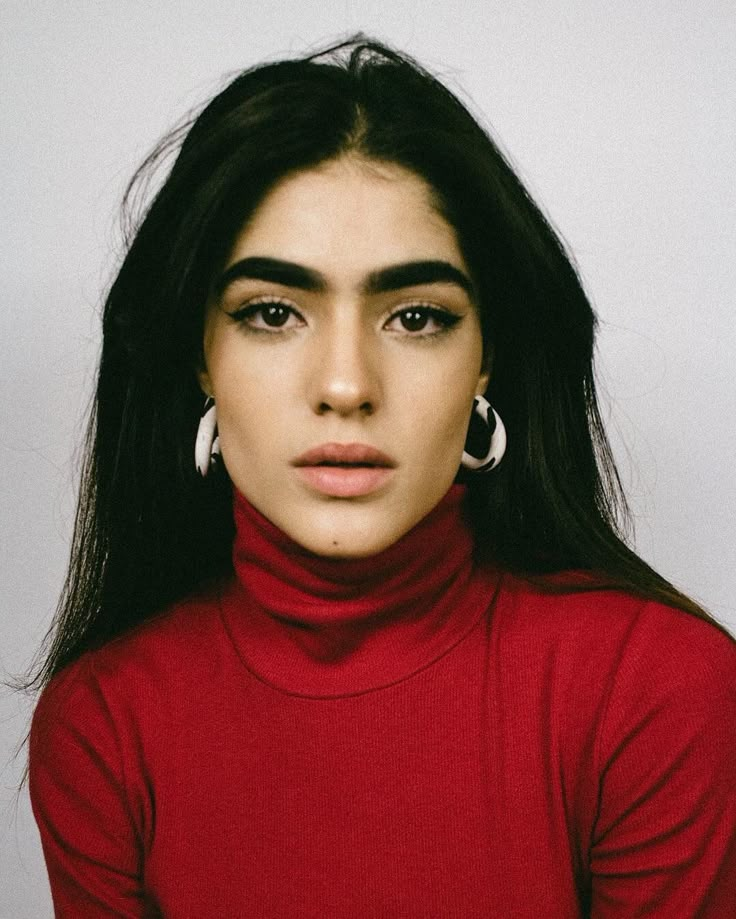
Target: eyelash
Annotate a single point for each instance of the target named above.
(444, 319)
(255, 307)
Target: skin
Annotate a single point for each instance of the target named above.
(342, 364)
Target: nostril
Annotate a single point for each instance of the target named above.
(365, 408)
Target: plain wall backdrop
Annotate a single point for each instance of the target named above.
(620, 116)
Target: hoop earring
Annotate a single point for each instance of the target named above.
(207, 444)
(479, 455)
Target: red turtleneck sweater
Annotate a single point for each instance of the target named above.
(405, 736)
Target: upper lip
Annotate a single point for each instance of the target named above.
(344, 454)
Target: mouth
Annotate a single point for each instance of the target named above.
(344, 470)
(345, 456)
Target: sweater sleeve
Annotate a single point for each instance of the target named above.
(664, 843)
(77, 787)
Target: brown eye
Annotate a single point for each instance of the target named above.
(268, 315)
(422, 321)
(275, 314)
(414, 320)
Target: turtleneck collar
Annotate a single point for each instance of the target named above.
(317, 626)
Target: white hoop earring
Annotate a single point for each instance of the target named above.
(479, 455)
(207, 444)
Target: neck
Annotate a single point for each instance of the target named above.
(324, 626)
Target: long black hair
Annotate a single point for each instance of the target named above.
(148, 529)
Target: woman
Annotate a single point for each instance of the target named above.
(353, 664)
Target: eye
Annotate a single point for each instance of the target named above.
(268, 314)
(422, 320)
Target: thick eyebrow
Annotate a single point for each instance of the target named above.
(393, 277)
(411, 274)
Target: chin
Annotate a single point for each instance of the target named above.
(337, 544)
(343, 533)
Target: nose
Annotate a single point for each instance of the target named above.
(345, 378)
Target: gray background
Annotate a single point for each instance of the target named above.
(619, 115)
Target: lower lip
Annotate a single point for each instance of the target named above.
(345, 482)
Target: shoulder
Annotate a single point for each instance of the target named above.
(158, 656)
(605, 623)
(611, 659)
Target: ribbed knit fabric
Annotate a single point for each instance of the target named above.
(328, 627)
(403, 736)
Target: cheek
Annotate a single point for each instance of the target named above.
(247, 410)
(247, 403)
(438, 430)
(443, 402)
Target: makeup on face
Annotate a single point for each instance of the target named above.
(343, 348)
(345, 470)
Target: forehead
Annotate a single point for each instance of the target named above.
(349, 216)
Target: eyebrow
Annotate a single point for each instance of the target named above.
(393, 277)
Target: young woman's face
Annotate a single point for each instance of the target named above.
(343, 349)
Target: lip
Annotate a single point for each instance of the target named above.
(334, 454)
(344, 470)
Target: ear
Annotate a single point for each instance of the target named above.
(485, 371)
(203, 378)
